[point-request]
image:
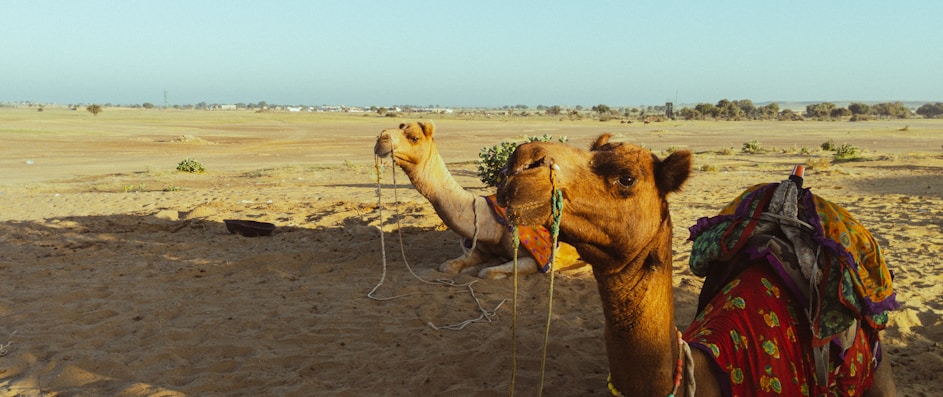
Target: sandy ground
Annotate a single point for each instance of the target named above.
(118, 276)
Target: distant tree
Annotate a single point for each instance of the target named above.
(201, 105)
(819, 110)
(727, 109)
(94, 109)
(706, 110)
(769, 112)
(747, 108)
(838, 113)
(689, 114)
(789, 115)
(859, 108)
(147, 105)
(931, 110)
(893, 110)
(601, 109)
(554, 110)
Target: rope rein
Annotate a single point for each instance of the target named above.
(556, 212)
(517, 243)
(485, 314)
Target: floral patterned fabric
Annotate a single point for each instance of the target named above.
(754, 334)
(855, 281)
(536, 239)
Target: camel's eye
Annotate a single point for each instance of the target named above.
(414, 138)
(626, 180)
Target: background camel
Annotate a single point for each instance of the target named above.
(413, 148)
(615, 212)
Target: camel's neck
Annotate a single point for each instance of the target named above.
(452, 203)
(641, 337)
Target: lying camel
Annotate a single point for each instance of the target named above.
(615, 212)
(414, 150)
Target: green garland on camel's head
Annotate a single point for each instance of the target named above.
(492, 159)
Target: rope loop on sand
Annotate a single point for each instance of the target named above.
(485, 315)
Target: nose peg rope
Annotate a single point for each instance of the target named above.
(556, 212)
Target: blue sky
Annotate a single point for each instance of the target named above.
(469, 53)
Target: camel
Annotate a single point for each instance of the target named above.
(413, 149)
(615, 213)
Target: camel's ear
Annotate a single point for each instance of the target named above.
(673, 171)
(427, 128)
(600, 141)
(402, 125)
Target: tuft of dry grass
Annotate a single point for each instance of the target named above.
(709, 168)
(818, 163)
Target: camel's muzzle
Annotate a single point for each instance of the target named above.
(383, 147)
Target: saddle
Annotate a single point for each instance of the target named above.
(830, 263)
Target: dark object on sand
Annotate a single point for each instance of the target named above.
(249, 228)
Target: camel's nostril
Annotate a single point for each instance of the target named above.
(539, 163)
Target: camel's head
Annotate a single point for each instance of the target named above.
(409, 144)
(614, 195)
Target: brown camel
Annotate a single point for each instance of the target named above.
(414, 150)
(615, 212)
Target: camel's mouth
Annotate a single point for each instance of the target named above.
(383, 147)
(528, 214)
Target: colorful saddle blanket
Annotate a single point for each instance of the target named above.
(753, 332)
(827, 261)
(536, 239)
(850, 275)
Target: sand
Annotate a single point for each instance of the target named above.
(118, 276)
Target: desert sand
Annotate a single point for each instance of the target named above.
(118, 276)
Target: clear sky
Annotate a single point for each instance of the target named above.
(469, 53)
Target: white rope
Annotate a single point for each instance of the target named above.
(689, 385)
(485, 315)
(4, 349)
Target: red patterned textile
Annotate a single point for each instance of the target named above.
(761, 342)
(536, 239)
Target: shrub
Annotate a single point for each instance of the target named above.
(192, 166)
(847, 152)
(491, 160)
(752, 147)
(829, 145)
